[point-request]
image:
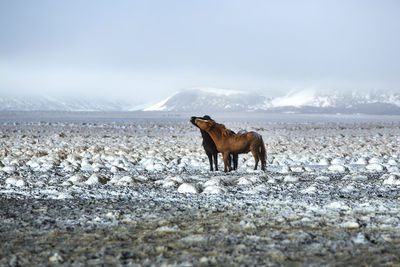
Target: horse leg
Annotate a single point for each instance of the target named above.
(263, 155)
(263, 161)
(255, 155)
(235, 161)
(211, 161)
(230, 160)
(225, 155)
(216, 161)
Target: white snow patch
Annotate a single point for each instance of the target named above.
(160, 106)
(214, 189)
(9, 169)
(337, 168)
(212, 182)
(309, 190)
(76, 179)
(350, 225)
(248, 180)
(360, 239)
(168, 229)
(361, 161)
(393, 179)
(338, 161)
(12, 181)
(219, 91)
(323, 179)
(336, 205)
(375, 167)
(168, 183)
(295, 99)
(93, 180)
(187, 188)
(297, 169)
(324, 162)
(291, 179)
(359, 178)
(192, 239)
(348, 189)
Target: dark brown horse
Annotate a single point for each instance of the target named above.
(211, 149)
(228, 143)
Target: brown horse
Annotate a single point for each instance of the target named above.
(228, 143)
(211, 149)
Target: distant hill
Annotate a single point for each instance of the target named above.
(208, 100)
(47, 103)
(302, 102)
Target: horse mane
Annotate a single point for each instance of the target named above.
(224, 131)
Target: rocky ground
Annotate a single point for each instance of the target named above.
(141, 194)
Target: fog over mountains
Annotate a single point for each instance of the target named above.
(221, 100)
(48, 103)
(305, 101)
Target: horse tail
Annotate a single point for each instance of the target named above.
(262, 154)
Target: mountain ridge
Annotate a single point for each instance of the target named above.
(223, 100)
(304, 101)
(50, 103)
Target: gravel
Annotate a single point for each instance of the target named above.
(141, 194)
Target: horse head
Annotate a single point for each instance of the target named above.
(193, 118)
(204, 124)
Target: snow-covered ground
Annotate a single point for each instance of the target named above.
(331, 191)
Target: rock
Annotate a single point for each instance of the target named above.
(93, 180)
(324, 162)
(168, 229)
(214, 189)
(9, 169)
(338, 161)
(338, 168)
(309, 190)
(360, 239)
(248, 180)
(285, 169)
(297, 169)
(141, 178)
(168, 183)
(375, 161)
(12, 181)
(56, 258)
(359, 178)
(187, 188)
(361, 161)
(393, 179)
(323, 179)
(350, 225)
(194, 239)
(76, 179)
(247, 225)
(125, 181)
(375, 167)
(87, 167)
(291, 179)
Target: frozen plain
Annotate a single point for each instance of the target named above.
(140, 193)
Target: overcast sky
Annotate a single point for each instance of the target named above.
(145, 50)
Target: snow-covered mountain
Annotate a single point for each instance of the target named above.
(304, 101)
(47, 103)
(210, 100)
(312, 101)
